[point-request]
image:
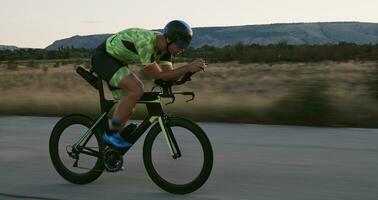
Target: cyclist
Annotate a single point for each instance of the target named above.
(154, 51)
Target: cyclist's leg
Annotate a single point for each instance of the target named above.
(112, 71)
(133, 88)
(115, 74)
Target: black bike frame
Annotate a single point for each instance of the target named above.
(155, 114)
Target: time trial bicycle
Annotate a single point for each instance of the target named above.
(177, 154)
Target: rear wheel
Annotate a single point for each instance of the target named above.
(75, 165)
(191, 169)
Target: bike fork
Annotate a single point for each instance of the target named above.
(173, 147)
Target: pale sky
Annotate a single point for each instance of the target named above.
(38, 23)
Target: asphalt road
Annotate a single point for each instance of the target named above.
(250, 162)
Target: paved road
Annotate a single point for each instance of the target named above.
(251, 162)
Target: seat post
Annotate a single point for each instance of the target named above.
(102, 95)
(105, 104)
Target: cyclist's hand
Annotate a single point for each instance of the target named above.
(197, 65)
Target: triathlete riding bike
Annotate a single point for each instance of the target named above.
(153, 50)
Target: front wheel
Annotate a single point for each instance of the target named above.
(178, 174)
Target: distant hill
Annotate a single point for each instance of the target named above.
(295, 33)
(6, 47)
(77, 41)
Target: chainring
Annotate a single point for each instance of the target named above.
(113, 159)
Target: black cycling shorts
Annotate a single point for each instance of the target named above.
(104, 64)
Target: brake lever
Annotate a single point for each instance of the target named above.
(153, 88)
(173, 100)
(190, 94)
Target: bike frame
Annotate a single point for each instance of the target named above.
(155, 114)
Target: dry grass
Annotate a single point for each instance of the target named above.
(326, 93)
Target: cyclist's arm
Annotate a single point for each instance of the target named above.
(165, 62)
(166, 68)
(156, 72)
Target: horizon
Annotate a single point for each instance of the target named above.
(38, 23)
(220, 26)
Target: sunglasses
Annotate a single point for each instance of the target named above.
(182, 43)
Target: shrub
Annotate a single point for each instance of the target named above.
(307, 103)
(12, 65)
(32, 64)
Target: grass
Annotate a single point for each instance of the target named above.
(321, 94)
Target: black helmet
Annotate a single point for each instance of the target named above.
(179, 32)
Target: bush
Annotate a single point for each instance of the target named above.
(57, 64)
(371, 80)
(12, 65)
(45, 68)
(308, 103)
(32, 64)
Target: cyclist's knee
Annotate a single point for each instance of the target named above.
(132, 86)
(137, 91)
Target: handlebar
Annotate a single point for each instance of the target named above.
(166, 87)
(185, 78)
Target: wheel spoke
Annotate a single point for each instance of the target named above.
(83, 163)
(192, 147)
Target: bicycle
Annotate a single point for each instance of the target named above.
(85, 142)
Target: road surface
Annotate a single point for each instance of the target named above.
(260, 162)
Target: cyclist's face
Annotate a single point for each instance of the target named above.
(174, 49)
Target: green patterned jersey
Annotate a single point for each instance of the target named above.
(136, 45)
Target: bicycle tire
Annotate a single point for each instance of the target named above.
(205, 172)
(61, 125)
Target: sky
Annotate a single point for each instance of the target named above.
(38, 23)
